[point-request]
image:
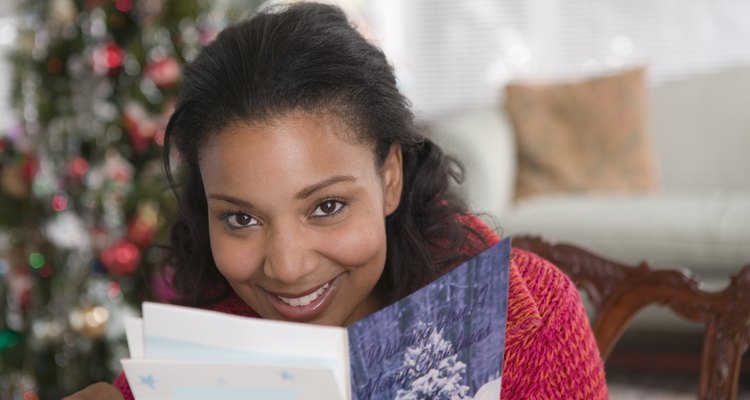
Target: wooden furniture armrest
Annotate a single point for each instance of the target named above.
(619, 291)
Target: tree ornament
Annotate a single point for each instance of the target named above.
(44, 184)
(121, 258)
(90, 5)
(143, 225)
(47, 331)
(112, 178)
(164, 72)
(118, 168)
(150, 9)
(141, 127)
(68, 231)
(62, 13)
(77, 167)
(8, 340)
(60, 202)
(90, 321)
(29, 167)
(124, 6)
(19, 287)
(13, 183)
(107, 59)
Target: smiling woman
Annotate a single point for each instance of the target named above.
(296, 217)
(309, 196)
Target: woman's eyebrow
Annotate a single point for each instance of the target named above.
(309, 190)
(302, 194)
(230, 199)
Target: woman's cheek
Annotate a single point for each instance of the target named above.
(357, 244)
(234, 257)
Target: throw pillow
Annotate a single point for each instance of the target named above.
(588, 136)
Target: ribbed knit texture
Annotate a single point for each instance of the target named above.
(550, 351)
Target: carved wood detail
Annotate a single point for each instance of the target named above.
(618, 291)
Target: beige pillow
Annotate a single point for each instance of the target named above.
(589, 136)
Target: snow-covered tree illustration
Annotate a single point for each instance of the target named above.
(433, 369)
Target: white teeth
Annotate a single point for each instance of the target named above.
(304, 300)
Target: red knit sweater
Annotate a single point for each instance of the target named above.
(550, 351)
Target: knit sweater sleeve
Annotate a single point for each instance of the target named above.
(121, 383)
(550, 349)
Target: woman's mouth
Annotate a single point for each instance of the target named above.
(305, 307)
(304, 300)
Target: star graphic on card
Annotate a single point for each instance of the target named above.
(148, 380)
(286, 376)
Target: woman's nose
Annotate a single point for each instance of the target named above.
(289, 254)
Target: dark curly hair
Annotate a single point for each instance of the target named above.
(308, 58)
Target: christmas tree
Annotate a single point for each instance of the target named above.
(433, 369)
(84, 210)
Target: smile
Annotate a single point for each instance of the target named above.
(304, 300)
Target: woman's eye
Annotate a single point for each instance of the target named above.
(328, 207)
(239, 220)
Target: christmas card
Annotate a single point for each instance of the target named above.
(444, 341)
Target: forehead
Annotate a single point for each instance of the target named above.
(291, 149)
(305, 122)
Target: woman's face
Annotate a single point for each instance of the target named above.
(296, 213)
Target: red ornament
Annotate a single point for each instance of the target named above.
(140, 126)
(122, 258)
(59, 202)
(123, 5)
(29, 167)
(164, 72)
(108, 59)
(77, 167)
(143, 225)
(141, 232)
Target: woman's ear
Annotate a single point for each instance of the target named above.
(393, 171)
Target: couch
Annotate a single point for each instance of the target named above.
(698, 219)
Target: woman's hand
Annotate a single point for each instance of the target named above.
(97, 391)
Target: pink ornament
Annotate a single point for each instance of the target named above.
(123, 5)
(164, 72)
(29, 167)
(143, 225)
(122, 258)
(140, 126)
(77, 167)
(141, 232)
(59, 202)
(117, 168)
(108, 59)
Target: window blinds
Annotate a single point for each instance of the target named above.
(450, 54)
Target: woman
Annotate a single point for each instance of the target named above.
(309, 196)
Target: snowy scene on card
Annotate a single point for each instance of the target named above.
(445, 341)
